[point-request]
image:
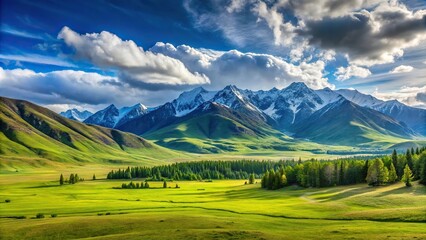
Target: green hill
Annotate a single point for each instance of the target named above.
(214, 128)
(33, 135)
(345, 123)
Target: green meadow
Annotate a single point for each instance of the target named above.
(203, 210)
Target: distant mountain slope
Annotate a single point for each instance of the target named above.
(415, 118)
(75, 114)
(345, 123)
(113, 117)
(28, 130)
(214, 127)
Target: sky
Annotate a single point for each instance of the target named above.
(89, 54)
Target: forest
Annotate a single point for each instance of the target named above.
(407, 166)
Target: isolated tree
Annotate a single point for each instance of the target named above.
(392, 174)
(251, 178)
(72, 179)
(61, 180)
(76, 178)
(407, 176)
(164, 184)
(94, 177)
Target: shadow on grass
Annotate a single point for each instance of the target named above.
(44, 186)
(415, 190)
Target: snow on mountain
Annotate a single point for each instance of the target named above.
(361, 99)
(128, 113)
(190, 100)
(75, 114)
(328, 96)
(234, 98)
(111, 116)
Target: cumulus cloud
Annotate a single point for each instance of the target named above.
(247, 70)
(139, 68)
(412, 96)
(344, 73)
(63, 87)
(402, 69)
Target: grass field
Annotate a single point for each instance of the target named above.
(205, 210)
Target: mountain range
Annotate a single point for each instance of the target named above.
(340, 117)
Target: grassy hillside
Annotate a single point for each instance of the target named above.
(32, 135)
(345, 123)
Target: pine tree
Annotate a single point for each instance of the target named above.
(94, 177)
(72, 180)
(395, 158)
(409, 159)
(406, 178)
(392, 174)
(146, 185)
(61, 180)
(265, 180)
(164, 184)
(422, 168)
(251, 178)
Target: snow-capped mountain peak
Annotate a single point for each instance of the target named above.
(190, 100)
(111, 116)
(75, 114)
(361, 99)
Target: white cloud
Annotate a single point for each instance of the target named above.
(139, 68)
(412, 96)
(246, 70)
(61, 87)
(20, 33)
(345, 73)
(402, 69)
(36, 58)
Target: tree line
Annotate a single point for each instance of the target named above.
(276, 174)
(73, 179)
(377, 171)
(240, 169)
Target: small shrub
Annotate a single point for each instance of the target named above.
(108, 213)
(20, 217)
(40, 215)
(53, 215)
(100, 214)
(7, 200)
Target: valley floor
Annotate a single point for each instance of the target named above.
(225, 209)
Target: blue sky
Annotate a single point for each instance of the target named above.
(89, 54)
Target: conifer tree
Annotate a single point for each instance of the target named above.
(61, 180)
(422, 168)
(392, 174)
(251, 178)
(164, 184)
(71, 180)
(409, 159)
(406, 178)
(94, 177)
